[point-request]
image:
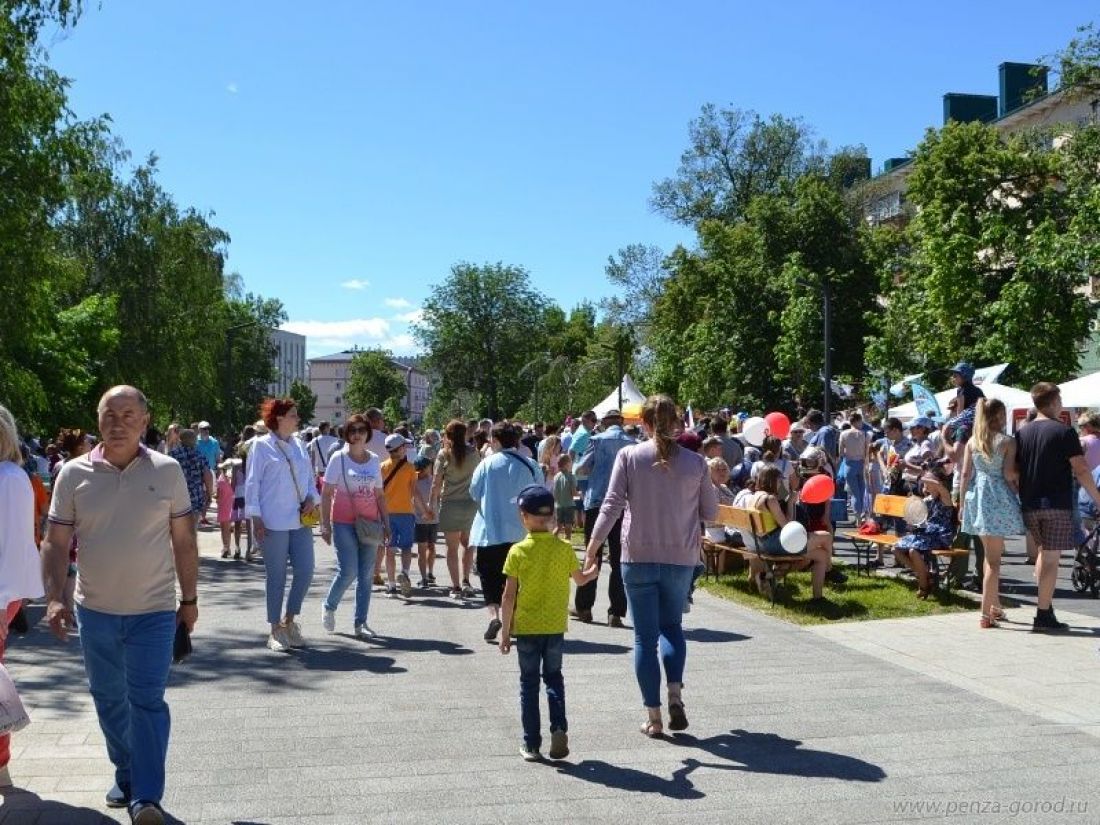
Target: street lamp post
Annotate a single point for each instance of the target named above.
(229, 333)
(827, 323)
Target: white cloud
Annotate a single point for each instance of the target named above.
(403, 344)
(232, 88)
(341, 331)
(410, 317)
(397, 303)
(355, 283)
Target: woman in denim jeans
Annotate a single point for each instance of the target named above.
(666, 492)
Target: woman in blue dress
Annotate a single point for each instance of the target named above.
(914, 549)
(990, 505)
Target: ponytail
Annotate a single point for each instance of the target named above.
(661, 416)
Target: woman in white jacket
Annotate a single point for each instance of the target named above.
(20, 571)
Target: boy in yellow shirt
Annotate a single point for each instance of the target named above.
(536, 611)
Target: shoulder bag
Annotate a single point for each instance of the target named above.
(313, 518)
(370, 533)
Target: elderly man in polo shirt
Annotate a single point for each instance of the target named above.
(132, 511)
(596, 464)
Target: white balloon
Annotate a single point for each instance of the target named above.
(915, 512)
(755, 430)
(793, 537)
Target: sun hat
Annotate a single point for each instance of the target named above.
(922, 421)
(965, 369)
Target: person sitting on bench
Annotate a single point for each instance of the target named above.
(914, 549)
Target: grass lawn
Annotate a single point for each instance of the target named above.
(860, 599)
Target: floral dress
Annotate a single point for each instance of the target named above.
(935, 534)
(992, 509)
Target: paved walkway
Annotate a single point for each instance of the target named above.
(788, 725)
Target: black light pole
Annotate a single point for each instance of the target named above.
(229, 333)
(828, 325)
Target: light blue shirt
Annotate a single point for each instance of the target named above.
(495, 485)
(598, 461)
(579, 442)
(269, 488)
(210, 450)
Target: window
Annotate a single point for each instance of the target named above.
(336, 414)
(337, 386)
(337, 400)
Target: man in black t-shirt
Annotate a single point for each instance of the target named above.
(1049, 457)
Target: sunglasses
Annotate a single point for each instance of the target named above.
(356, 430)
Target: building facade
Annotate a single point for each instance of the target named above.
(328, 379)
(290, 361)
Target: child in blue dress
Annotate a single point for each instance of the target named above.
(914, 549)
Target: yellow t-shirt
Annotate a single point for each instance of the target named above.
(543, 565)
(399, 498)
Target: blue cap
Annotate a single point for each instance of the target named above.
(536, 500)
(922, 421)
(964, 369)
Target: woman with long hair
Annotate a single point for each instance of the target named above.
(451, 499)
(352, 489)
(20, 569)
(666, 492)
(989, 498)
(279, 494)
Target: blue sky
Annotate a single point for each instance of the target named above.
(356, 150)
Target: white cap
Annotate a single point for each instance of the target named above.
(204, 425)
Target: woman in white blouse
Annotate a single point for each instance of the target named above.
(20, 572)
(279, 493)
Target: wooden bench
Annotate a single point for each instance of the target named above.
(893, 507)
(749, 523)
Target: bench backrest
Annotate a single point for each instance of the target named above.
(748, 521)
(890, 505)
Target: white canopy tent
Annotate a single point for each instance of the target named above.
(631, 395)
(1082, 392)
(1012, 398)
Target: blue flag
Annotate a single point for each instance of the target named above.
(926, 402)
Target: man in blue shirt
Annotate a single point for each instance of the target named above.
(579, 444)
(823, 435)
(596, 464)
(495, 484)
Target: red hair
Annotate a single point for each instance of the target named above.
(272, 408)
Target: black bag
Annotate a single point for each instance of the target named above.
(181, 646)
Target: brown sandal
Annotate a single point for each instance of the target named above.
(654, 730)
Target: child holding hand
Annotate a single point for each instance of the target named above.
(536, 611)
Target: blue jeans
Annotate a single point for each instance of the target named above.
(657, 593)
(354, 562)
(127, 659)
(535, 652)
(281, 546)
(857, 489)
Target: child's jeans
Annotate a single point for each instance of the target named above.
(540, 652)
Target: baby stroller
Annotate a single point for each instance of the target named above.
(1086, 564)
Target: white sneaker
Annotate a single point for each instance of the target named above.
(278, 641)
(364, 632)
(328, 619)
(391, 591)
(294, 635)
(405, 585)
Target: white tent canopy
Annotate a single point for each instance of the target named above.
(1082, 392)
(631, 395)
(1012, 398)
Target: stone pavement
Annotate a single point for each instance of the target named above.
(422, 726)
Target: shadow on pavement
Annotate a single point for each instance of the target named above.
(630, 779)
(439, 602)
(771, 753)
(20, 806)
(702, 634)
(574, 646)
(420, 645)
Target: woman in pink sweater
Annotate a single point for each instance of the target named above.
(666, 492)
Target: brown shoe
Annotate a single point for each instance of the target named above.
(614, 621)
(581, 615)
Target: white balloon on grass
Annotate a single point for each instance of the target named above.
(793, 537)
(755, 430)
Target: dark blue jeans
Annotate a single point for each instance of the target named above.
(127, 660)
(540, 652)
(657, 593)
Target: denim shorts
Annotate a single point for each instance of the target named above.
(402, 530)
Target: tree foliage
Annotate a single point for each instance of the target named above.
(480, 327)
(305, 400)
(373, 380)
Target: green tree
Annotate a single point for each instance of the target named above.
(479, 329)
(372, 380)
(305, 400)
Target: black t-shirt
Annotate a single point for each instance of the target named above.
(531, 442)
(968, 394)
(1043, 451)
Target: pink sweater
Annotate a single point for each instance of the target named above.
(663, 505)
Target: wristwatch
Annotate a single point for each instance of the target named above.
(189, 602)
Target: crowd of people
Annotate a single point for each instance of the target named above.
(106, 530)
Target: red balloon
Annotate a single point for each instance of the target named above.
(778, 424)
(818, 490)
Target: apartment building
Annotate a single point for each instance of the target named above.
(328, 378)
(290, 361)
